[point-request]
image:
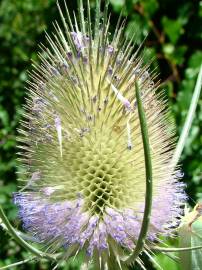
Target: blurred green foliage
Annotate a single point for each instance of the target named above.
(173, 37)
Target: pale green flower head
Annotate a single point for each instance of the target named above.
(82, 153)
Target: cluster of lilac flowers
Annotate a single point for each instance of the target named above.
(67, 222)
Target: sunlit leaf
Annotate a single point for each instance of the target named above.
(190, 234)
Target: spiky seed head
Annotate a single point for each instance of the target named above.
(82, 169)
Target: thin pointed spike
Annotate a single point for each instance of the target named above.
(118, 26)
(63, 19)
(98, 54)
(89, 22)
(129, 134)
(60, 43)
(89, 33)
(81, 16)
(141, 264)
(67, 29)
(105, 41)
(76, 23)
(97, 19)
(120, 41)
(54, 47)
(68, 16)
(104, 23)
(153, 260)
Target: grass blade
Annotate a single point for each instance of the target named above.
(189, 119)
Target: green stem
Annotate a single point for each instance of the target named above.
(175, 249)
(148, 168)
(22, 235)
(17, 263)
(189, 119)
(21, 241)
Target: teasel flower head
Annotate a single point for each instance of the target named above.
(83, 171)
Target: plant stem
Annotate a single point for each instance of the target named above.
(21, 241)
(148, 168)
(175, 249)
(17, 263)
(24, 236)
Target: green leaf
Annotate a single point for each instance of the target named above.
(165, 262)
(190, 235)
(196, 240)
(173, 29)
(150, 7)
(117, 4)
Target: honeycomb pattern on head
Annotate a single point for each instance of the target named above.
(102, 182)
(98, 172)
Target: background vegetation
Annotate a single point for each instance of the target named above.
(174, 38)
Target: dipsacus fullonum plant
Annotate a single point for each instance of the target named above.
(83, 170)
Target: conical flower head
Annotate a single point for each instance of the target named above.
(82, 150)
